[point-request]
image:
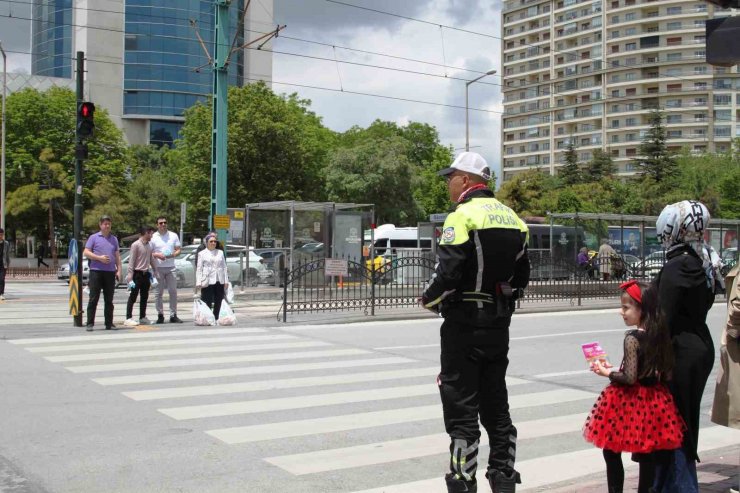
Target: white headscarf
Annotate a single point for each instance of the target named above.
(684, 223)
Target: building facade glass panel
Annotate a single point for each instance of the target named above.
(162, 54)
(52, 38)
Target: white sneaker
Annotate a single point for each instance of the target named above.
(144, 321)
(2, 297)
(130, 323)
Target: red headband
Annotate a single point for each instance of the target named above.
(632, 289)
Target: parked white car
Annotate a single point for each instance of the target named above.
(185, 265)
(63, 272)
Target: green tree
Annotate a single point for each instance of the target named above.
(375, 172)
(525, 191)
(277, 149)
(570, 172)
(41, 159)
(600, 166)
(654, 160)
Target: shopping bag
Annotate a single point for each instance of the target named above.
(202, 315)
(229, 295)
(226, 315)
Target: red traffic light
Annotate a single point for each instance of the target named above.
(85, 120)
(87, 110)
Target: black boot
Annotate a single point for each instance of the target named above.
(615, 489)
(500, 483)
(460, 485)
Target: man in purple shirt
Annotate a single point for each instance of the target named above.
(104, 256)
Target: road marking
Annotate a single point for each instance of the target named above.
(182, 351)
(410, 448)
(108, 335)
(561, 374)
(299, 402)
(286, 429)
(216, 360)
(288, 383)
(552, 469)
(522, 338)
(155, 343)
(251, 370)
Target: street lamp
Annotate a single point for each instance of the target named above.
(2, 150)
(467, 125)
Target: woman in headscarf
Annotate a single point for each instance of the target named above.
(686, 294)
(212, 276)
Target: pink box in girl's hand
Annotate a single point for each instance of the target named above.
(593, 351)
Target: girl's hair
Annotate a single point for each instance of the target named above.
(657, 349)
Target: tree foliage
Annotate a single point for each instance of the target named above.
(570, 172)
(277, 149)
(654, 159)
(41, 159)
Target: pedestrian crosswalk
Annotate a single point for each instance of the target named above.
(350, 419)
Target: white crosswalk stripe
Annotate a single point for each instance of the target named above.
(326, 411)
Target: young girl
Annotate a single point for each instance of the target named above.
(635, 412)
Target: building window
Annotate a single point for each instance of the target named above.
(673, 26)
(673, 10)
(674, 87)
(674, 118)
(163, 133)
(630, 47)
(722, 99)
(673, 41)
(630, 122)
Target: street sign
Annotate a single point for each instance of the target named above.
(335, 267)
(74, 292)
(438, 218)
(72, 258)
(182, 212)
(74, 301)
(221, 221)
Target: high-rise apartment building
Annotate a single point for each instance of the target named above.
(590, 71)
(143, 56)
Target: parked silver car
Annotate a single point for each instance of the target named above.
(63, 271)
(185, 265)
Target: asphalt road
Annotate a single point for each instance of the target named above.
(282, 408)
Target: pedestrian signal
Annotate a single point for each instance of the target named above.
(85, 119)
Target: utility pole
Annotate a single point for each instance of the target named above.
(220, 110)
(2, 152)
(79, 146)
(220, 63)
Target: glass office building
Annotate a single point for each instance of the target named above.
(52, 38)
(166, 69)
(145, 64)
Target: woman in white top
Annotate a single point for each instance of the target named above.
(212, 277)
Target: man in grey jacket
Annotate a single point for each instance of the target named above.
(4, 263)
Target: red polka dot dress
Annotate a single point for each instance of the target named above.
(631, 414)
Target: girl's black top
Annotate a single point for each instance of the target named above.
(633, 361)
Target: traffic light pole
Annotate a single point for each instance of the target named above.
(78, 183)
(220, 111)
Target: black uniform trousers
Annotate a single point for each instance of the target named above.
(213, 296)
(472, 384)
(2, 277)
(105, 281)
(142, 284)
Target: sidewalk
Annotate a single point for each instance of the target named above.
(718, 472)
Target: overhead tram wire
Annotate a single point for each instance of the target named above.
(618, 66)
(606, 98)
(292, 38)
(492, 36)
(551, 83)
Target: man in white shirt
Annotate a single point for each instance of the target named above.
(165, 247)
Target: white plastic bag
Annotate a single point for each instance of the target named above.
(226, 315)
(202, 315)
(229, 295)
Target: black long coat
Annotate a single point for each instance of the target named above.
(685, 299)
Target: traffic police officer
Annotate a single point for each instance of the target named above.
(482, 266)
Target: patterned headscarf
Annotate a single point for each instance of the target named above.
(684, 223)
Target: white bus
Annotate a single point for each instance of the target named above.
(388, 238)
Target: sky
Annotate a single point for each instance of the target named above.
(447, 56)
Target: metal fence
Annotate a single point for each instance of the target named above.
(368, 286)
(400, 281)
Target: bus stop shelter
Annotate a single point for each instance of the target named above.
(328, 229)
